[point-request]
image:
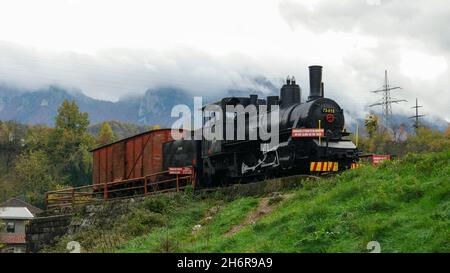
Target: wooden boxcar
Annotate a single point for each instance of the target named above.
(130, 158)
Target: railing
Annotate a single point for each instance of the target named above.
(151, 184)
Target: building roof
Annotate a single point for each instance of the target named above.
(12, 238)
(16, 202)
(11, 213)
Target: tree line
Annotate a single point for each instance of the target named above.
(376, 139)
(37, 158)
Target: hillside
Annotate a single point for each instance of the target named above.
(120, 129)
(404, 205)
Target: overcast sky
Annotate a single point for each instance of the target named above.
(113, 48)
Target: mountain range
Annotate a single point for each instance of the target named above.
(152, 108)
(41, 106)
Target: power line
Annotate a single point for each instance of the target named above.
(417, 116)
(386, 101)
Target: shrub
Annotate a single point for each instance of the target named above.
(158, 204)
(141, 221)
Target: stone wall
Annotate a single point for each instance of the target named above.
(45, 230)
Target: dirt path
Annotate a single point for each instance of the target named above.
(263, 208)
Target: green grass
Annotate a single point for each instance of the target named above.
(404, 205)
(178, 235)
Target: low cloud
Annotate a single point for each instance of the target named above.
(210, 51)
(408, 38)
(114, 73)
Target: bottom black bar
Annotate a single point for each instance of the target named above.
(218, 262)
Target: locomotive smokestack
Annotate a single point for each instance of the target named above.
(315, 82)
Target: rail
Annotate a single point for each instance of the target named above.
(147, 185)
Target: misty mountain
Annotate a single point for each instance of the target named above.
(41, 106)
(152, 108)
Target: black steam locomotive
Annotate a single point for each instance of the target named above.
(312, 139)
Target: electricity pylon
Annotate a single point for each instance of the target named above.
(417, 116)
(387, 101)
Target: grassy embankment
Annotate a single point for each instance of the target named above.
(404, 205)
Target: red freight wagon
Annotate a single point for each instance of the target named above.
(130, 167)
(130, 158)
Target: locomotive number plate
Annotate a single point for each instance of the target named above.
(328, 110)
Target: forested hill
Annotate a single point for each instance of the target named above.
(120, 129)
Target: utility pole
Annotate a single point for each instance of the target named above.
(386, 101)
(417, 116)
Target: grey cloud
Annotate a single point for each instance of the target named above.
(395, 25)
(424, 21)
(115, 73)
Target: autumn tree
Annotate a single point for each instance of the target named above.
(447, 132)
(69, 144)
(371, 123)
(428, 140)
(34, 177)
(6, 186)
(38, 137)
(11, 143)
(105, 135)
(70, 118)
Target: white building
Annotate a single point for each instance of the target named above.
(14, 220)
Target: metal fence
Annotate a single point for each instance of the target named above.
(151, 184)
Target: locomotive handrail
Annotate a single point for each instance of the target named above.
(145, 185)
